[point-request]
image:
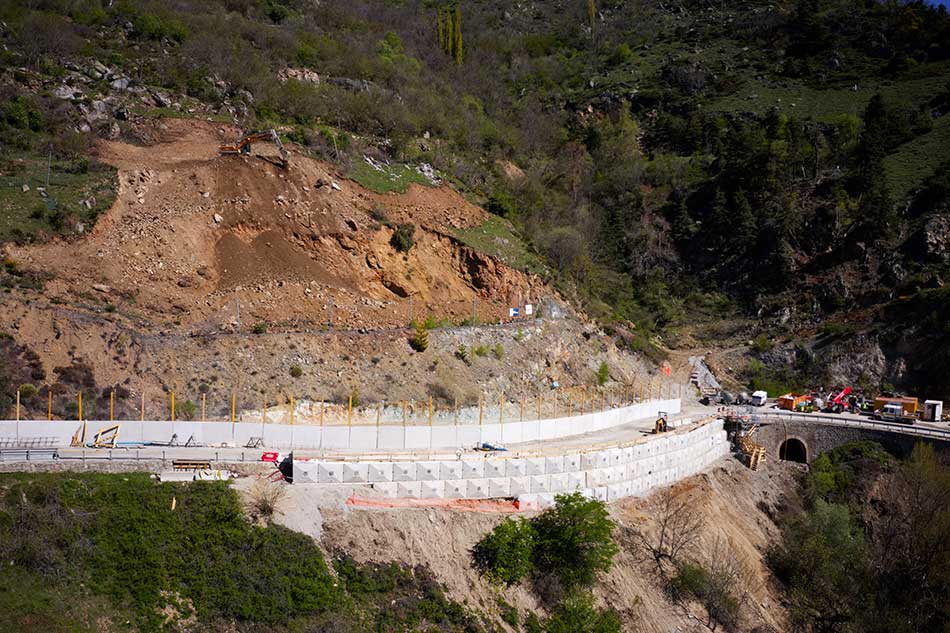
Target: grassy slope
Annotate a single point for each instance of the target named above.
(77, 548)
(911, 163)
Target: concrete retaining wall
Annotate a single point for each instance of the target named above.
(608, 474)
(38, 434)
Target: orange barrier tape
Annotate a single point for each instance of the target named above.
(488, 506)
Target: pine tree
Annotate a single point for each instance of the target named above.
(440, 26)
(591, 15)
(449, 31)
(420, 341)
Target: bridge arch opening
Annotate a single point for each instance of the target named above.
(793, 450)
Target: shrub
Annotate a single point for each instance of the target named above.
(27, 391)
(762, 343)
(505, 554)
(296, 371)
(574, 540)
(186, 410)
(462, 353)
(480, 350)
(420, 340)
(259, 328)
(402, 239)
(603, 374)
(498, 351)
(379, 215)
(577, 614)
(265, 498)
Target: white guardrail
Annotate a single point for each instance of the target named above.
(837, 420)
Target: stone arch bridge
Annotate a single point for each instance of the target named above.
(802, 437)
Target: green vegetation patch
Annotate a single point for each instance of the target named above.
(391, 178)
(497, 237)
(78, 191)
(911, 163)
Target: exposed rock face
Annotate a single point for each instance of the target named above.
(935, 239)
(856, 359)
(300, 74)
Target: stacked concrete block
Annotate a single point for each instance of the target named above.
(499, 487)
(473, 469)
(554, 465)
(478, 489)
(437, 489)
(428, 471)
(515, 468)
(455, 489)
(404, 471)
(388, 489)
(408, 489)
(494, 468)
(380, 471)
(355, 473)
(540, 483)
(518, 486)
(330, 472)
(534, 466)
(451, 470)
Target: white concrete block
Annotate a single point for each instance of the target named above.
(527, 502)
(388, 489)
(455, 489)
(628, 454)
(380, 471)
(428, 471)
(330, 472)
(600, 493)
(408, 489)
(572, 461)
(477, 488)
(494, 467)
(540, 483)
(499, 487)
(518, 486)
(451, 470)
(515, 468)
(355, 472)
(404, 471)
(559, 483)
(534, 466)
(433, 489)
(615, 455)
(595, 459)
(554, 464)
(576, 480)
(545, 500)
(473, 469)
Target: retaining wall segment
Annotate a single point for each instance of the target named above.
(607, 474)
(353, 438)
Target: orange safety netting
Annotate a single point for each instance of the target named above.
(491, 506)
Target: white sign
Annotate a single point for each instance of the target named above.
(513, 312)
(528, 309)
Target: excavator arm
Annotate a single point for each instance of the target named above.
(243, 146)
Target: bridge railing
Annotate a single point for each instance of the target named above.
(837, 420)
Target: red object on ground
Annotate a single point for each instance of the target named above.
(270, 457)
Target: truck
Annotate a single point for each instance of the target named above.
(893, 412)
(759, 398)
(908, 404)
(837, 402)
(792, 401)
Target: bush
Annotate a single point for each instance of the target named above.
(420, 340)
(402, 239)
(505, 553)
(762, 343)
(28, 391)
(186, 410)
(480, 350)
(498, 351)
(462, 354)
(577, 614)
(296, 371)
(574, 540)
(259, 328)
(603, 374)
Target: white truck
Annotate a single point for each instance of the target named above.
(759, 398)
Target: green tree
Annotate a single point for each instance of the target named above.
(457, 50)
(420, 340)
(505, 554)
(603, 374)
(574, 540)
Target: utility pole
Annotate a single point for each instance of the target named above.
(237, 311)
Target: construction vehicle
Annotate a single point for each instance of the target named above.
(932, 411)
(759, 398)
(661, 425)
(907, 404)
(243, 145)
(893, 412)
(792, 401)
(837, 403)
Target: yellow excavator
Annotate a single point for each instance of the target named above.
(243, 146)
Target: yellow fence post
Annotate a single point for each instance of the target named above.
(292, 410)
(403, 413)
(521, 417)
(204, 406)
(430, 410)
(142, 408)
(455, 408)
(83, 439)
(539, 406)
(603, 400)
(233, 407)
(379, 412)
(49, 404)
(501, 407)
(349, 412)
(554, 392)
(111, 405)
(18, 405)
(263, 412)
(322, 407)
(480, 409)
(80, 407)
(570, 404)
(173, 406)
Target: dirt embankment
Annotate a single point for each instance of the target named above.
(736, 506)
(173, 288)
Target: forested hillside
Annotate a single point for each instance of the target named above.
(778, 167)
